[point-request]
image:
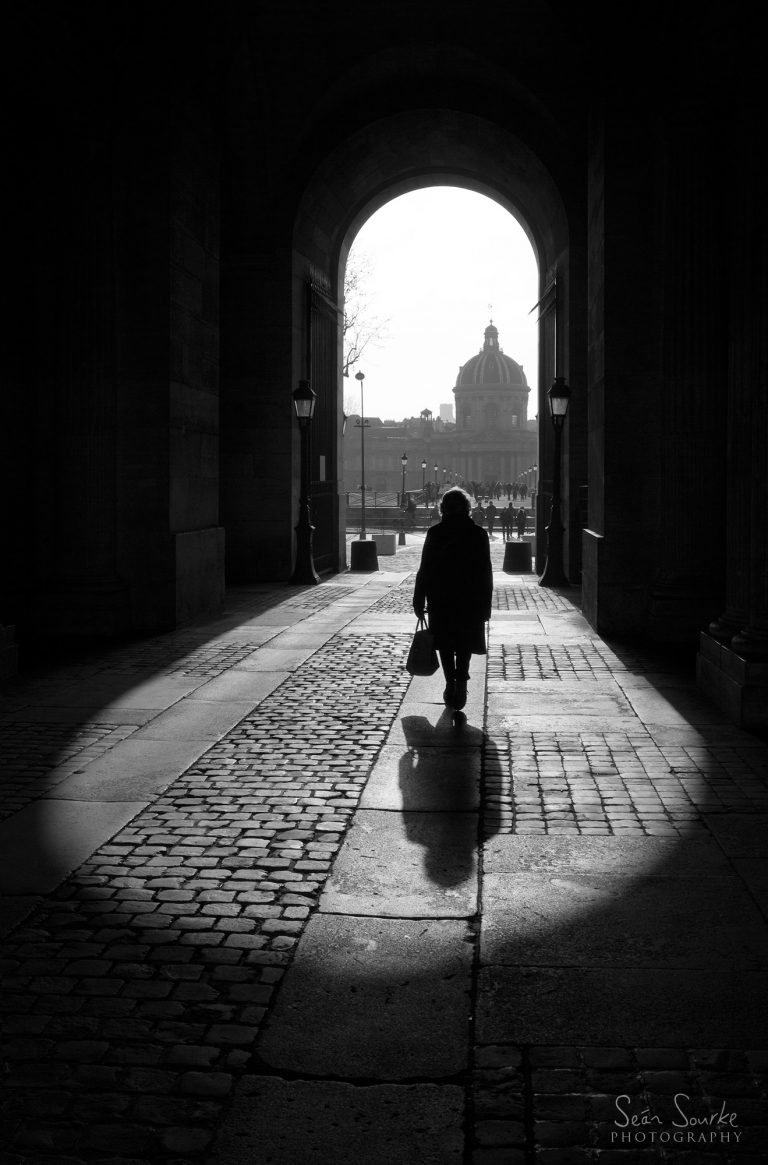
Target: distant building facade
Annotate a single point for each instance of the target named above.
(491, 439)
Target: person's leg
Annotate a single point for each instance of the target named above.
(462, 664)
(462, 675)
(448, 661)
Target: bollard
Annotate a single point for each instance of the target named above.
(518, 558)
(363, 556)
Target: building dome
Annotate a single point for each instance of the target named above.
(491, 366)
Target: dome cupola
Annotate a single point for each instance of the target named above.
(491, 391)
(490, 366)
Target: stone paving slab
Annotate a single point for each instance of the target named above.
(600, 718)
(194, 719)
(232, 628)
(47, 840)
(561, 697)
(75, 717)
(741, 835)
(114, 692)
(134, 770)
(599, 920)
(702, 734)
(377, 999)
(754, 871)
(432, 777)
(374, 624)
(565, 624)
(616, 856)
(405, 865)
(276, 659)
(280, 619)
(428, 724)
(238, 686)
(638, 1007)
(503, 620)
(652, 682)
(301, 1122)
(672, 707)
(429, 689)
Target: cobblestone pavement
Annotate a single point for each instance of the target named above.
(136, 990)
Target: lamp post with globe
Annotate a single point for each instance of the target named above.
(554, 575)
(362, 553)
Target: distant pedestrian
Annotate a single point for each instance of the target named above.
(490, 516)
(454, 584)
(522, 520)
(508, 515)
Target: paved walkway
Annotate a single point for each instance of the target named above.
(267, 903)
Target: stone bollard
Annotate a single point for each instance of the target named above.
(518, 558)
(363, 556)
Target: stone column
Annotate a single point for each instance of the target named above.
(78, 589)
(689, 572)
(733, 658)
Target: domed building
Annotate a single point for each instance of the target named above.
(493, 439)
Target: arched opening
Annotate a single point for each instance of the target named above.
(439, 289)
(395, 156)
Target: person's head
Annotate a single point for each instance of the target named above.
(455, 501)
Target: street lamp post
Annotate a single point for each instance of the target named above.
(554, 574)
(304, 572)
(360, 376)
(436, 489)
(424, 481)
(363, 554)
(401, 537)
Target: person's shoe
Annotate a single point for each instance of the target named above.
(459, 695)
(448, 695)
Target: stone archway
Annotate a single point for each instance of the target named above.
(393, 156)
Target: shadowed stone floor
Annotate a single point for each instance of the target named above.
(266, 902)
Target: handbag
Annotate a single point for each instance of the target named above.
(422, 658)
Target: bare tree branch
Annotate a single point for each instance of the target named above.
(361, 328)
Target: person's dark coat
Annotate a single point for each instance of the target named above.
(455, 584)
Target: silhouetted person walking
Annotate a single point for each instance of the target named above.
(455, 584)
(522, 519)
(490, 515)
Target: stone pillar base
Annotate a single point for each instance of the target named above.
(199, 573)
(737, 685)
(86, 608)
(676, 614)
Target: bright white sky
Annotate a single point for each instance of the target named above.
(439, 257)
